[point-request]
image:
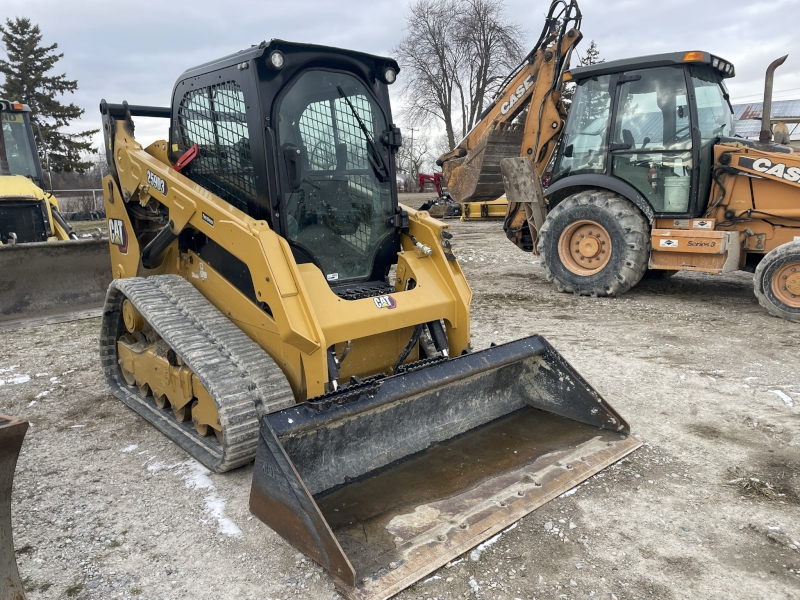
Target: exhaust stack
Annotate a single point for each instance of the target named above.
(766, 113)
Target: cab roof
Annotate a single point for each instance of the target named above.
(7, 106)
(265, 49)
(723, 67)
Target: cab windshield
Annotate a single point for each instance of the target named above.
(16, 148)
(337, 178)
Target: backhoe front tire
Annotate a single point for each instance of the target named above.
(777, 282)
(594, 243)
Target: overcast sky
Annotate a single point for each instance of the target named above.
(135, 51)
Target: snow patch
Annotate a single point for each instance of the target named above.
(15, 379)
(129, 449)
(198, 478)
(32, 403)
(783, 396)
(431, 578)
(10, 369)
(474, 585)
(41, 395)
(475, 555)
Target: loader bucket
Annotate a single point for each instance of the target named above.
(386, 483)
(12, 431)
(477, 175)
(45, 279)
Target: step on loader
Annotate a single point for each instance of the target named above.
(273, 302)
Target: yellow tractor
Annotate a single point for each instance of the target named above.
(647, 174)
(27, 212)
(273, 301)
(45, 270)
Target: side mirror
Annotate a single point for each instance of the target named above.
(294, 168)
(568, 151)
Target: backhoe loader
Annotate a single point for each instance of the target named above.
(273, 302)
(648, 176)
(27, 212)
(44, 268)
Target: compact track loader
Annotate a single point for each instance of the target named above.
(273, 302)
(44, 269)
(648, 177)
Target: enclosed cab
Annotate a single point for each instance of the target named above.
(328, 131)
(645, 128)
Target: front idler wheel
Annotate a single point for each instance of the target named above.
(594, 243)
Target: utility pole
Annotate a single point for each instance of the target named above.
(411, 153)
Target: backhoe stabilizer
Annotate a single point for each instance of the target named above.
(386, 485)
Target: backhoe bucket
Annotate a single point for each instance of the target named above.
(46, 279)
(477, 175)
(12, 431)
(387, 482)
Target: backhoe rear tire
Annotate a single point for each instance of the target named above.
(777, 282)
(594, 243)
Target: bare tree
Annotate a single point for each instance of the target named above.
(418, 159)
(454, 55)
(491, 46)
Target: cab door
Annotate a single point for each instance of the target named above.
(651, 139)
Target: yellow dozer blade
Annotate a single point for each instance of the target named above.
(47, 279)
(477, 175)
(12, 432)
(387, 481)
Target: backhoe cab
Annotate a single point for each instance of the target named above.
(649, 175)
(645, 127)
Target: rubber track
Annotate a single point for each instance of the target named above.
(241, 378)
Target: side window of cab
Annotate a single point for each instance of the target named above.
(214, 118)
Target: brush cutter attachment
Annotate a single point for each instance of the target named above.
(384, 482)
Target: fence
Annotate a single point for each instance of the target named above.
(85, 200)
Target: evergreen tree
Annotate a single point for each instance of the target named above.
(27, 80)
(592, 56)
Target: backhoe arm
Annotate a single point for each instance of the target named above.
(472, 169)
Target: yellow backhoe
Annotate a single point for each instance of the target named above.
(648, 177)
(273, 302)
(27, 212)
(44, 269)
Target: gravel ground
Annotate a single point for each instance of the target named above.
(709, 507)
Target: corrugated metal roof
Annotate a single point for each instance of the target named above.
(748, 117)
(781, 109)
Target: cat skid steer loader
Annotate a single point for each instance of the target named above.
(273, 301)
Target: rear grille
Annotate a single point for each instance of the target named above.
(26, 219)
(367, 290)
